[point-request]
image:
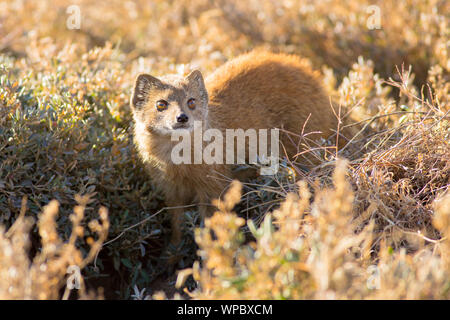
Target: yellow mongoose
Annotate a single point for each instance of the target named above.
(258, 90)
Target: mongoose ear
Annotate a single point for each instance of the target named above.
(195, 78)
(195, 75)
(144, 83)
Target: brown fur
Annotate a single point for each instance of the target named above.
(259, 90)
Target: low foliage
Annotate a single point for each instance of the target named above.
(310, 250)
(44, 275)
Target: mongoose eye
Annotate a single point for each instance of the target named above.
(191, 103)
(161, 105)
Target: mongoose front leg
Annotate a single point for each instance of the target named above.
(176, 220)
(171, 253)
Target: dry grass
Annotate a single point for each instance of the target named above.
(381, 219)
(309, 250)
(43, 276)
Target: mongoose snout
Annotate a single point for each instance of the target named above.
(182, 118)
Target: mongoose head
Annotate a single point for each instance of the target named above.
(170, 103)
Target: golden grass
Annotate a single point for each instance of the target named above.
(43, 276)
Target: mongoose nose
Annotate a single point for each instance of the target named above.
(182, 118)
